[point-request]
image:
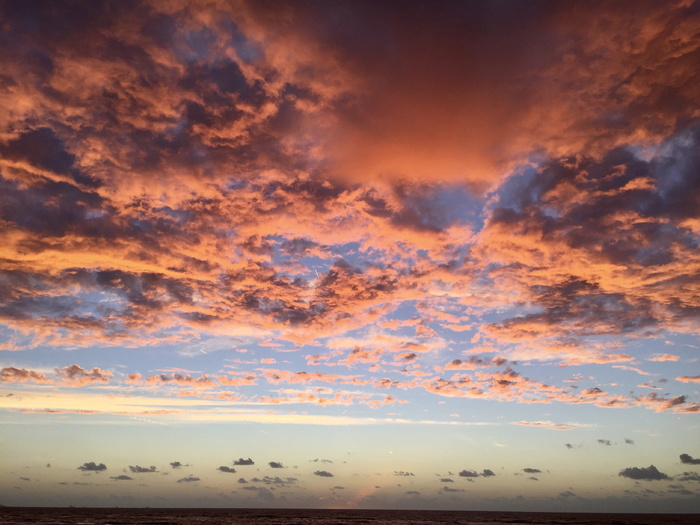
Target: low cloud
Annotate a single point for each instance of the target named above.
(688, 476)
(450, 489)
(605, 442)
(188, 479)
(629, 441)
(175, 464)
(532, 470)
(275, 464)
(650, 473)
(323, 474)
(142, 470)
(402, 473)
(689, 460)
(92, 467)
(123, 477)
(230, 470)
(469, 474)
(487, 473)
(241, 462)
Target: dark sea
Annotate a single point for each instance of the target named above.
(118, 516)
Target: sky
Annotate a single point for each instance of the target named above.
(350, 254)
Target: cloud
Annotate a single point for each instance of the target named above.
(175, 464)
(468, 474)
(688, 476)
(403, 473)
(142, 470)
(323, 474)
(226, 469)
(688, 379)
(629, 441)
(122, 477)
(532, 470)
(241, 461)
(605, 442)
(664, 357)
(548, 424)
(650, 473)
(21, 375)
(188, 479)
(92, 467)
(689, 460)
(74, 375)
(487, 473)
(275, 464)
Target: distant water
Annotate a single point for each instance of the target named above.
(86, 516)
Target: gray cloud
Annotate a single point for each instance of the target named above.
(689, 460)
(142, 470)
(275, 464)
(532, 470)
(92, 467)
(122, 477)
(403, 473)
(487, 473)
(188, 479)
(688, 476)
(175, 464)
(605, 442)
(241, 461)
(650, 473)
(323, 474)
(469, 474)
(223, 468)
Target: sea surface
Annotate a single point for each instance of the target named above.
(118, 516)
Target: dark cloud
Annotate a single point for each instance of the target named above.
(122, 477)
(487, 473)
(412, 493)
(568, 445)
(450, 489)
(689, 460)
(468, 474)
(275, 464)
(188, 479)
(226, 469)
(650, 473)
(403, 473)
(175, 464)
(323, 474)
(605, 442)
(269, 480)
(242, 462)
(567, 494)
(142, 470)
(629, 441)
(446, 480)
(242, 480)
(688, 476)
(321, 460)
(532, 470)
(92, 467)
(533, 478)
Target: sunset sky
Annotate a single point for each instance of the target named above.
(350, 254)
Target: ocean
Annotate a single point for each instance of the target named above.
(119, 516)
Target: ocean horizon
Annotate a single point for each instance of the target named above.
(258, 516)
